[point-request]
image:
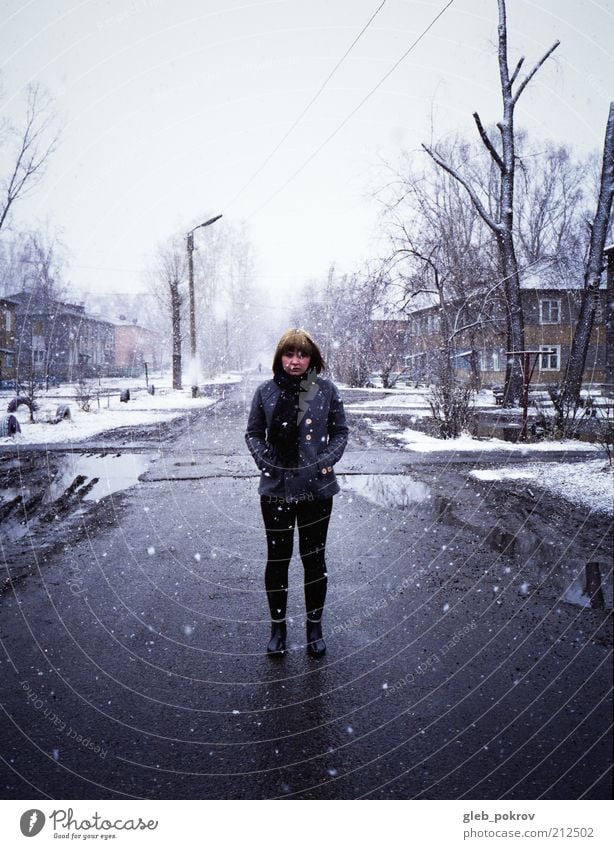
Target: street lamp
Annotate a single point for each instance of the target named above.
(190, 245)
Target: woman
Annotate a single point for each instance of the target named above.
(296, 432)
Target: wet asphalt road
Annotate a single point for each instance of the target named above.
(133, 665)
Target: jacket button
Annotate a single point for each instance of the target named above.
(307, 421)
(330, 468)
(308, 437)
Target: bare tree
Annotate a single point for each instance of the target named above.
(441, 255)
(227, 298)
(551, 207)
(33, 261)
(339, 310)
(168, 274)
(26, 149)
(501, 220)
(569, 396)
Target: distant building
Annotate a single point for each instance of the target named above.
(135, 346)
(135, 343)
(57, 341)
(389, 342)
(479, 349)
(7, 340)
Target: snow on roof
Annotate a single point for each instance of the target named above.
(550, 274)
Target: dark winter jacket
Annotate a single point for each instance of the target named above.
(322, 437)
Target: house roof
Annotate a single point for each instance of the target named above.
(36, 304)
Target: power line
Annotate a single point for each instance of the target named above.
(309, 105)
(353, 112)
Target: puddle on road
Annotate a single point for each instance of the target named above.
(530, 551)
(387, 490)
(58, 489)
(112, 473)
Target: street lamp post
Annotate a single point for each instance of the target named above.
(190, 246)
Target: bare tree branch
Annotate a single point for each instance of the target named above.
(533, 71)
(486, 217)
(36, 142)
(572, 383)
(487, 142)
(516, 70)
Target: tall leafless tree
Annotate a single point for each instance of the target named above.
(501, 221)
(569, 396)
(168, 274)
(441, 248)
(442, 254)
(26, 150)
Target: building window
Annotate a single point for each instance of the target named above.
(550, 357)
(599, 312)
(7, 320)
(550, 312)
(8, 360)
(489, 361)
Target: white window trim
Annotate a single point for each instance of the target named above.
(550, 349)
(543, 301)
(490, 361)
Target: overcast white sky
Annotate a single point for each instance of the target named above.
(171, 107)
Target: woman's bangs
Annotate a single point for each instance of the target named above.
(297, 341)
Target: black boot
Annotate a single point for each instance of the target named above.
(277, 643)
(316, 646)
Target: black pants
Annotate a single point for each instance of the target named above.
(312, 518)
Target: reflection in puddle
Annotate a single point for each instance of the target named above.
(386, 490)
(112, 473)
(572, 584)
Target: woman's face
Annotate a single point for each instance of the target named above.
(295, 362)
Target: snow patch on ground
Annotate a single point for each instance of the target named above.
(590, 482)
(415, 401)
(415, 440)
(107, 412)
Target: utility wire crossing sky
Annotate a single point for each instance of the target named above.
(279, 113)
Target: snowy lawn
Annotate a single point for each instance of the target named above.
(589, 483)
(108, 412)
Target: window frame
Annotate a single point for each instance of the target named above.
(549, 301)
(549, 351)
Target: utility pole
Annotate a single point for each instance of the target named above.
(190, 247)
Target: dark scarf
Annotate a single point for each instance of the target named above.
(283, 432)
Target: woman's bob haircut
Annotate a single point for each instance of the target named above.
(298, 338)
